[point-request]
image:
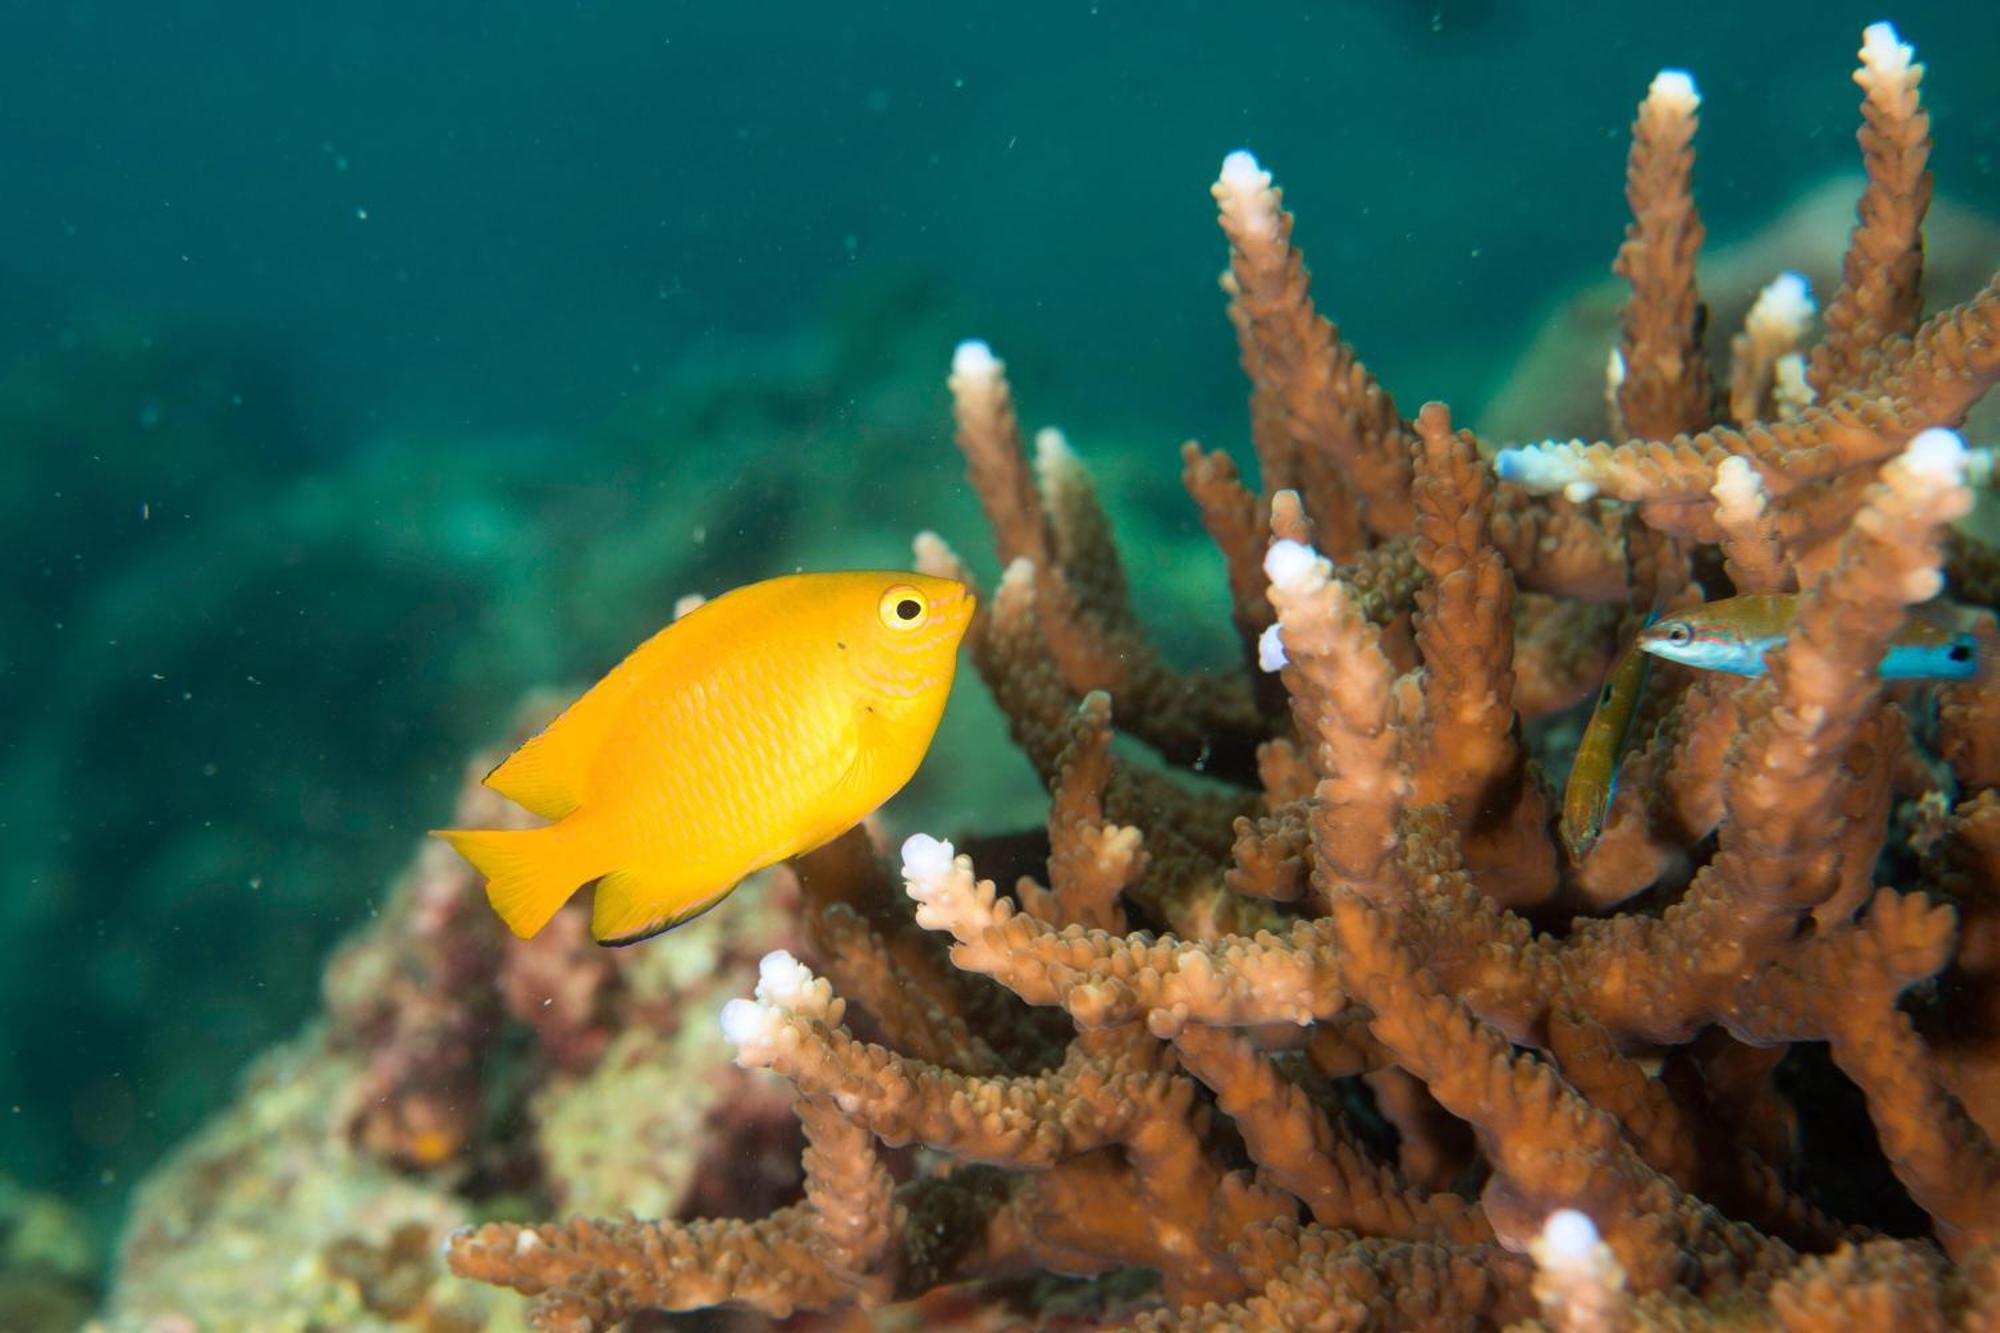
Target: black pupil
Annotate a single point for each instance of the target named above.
(1678, 634)
(908, 609)
(1959, 652)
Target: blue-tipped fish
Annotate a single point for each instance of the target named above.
(1735, 633)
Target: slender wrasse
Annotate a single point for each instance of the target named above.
(1593, 774)
(760, 725)
(1735, 633)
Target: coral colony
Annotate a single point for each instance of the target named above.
(1363, 1045)
(1348, 1038)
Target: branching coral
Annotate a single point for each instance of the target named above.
(1326, 1053)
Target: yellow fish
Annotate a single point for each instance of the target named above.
(756, 727)
(1593, 773)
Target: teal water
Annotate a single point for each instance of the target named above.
(361, 369)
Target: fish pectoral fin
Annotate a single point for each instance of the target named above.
(629, 907)
(840, 807)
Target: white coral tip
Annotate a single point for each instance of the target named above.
(1789, 387)
(1543, 468)
(1738, 489)
(1938, 455)
(1883, 51)
(781, 978)
(1271, 650)
(1242, 175)
(926, 860)
(1789, 297)
(974, 359)
(1052, 448)
(1290, 565)
(932, 552)
(1569, 1240)
(1674, 89)
(746, 1023)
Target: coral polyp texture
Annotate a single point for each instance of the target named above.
(1339, 1035)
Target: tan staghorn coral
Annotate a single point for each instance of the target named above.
(1350, 1041)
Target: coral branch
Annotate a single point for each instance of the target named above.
(587, 1275)
(1779, 849)
(1766, 370)
(1105, 980)
(1313, 1039)
(1464, 625)
(1879, 295)
(1302, 1150)
(1663, 388)
(1348, 457)
(1340, 685)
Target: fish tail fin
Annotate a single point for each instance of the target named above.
(530, 873)
(1957, 658)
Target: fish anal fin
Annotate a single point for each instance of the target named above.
(627, 908)
(530, 873)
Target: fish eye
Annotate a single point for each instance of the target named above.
(903, 607)
(1678, 635)
(1960, 652)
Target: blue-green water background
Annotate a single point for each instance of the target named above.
(362, 366)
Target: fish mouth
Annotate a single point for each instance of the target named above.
(951, 610)
(1659, 645)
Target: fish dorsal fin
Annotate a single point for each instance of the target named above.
(550, 773)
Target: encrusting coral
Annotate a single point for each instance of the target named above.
(1347, 1039)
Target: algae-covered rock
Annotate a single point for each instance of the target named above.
(573, 1077)
(267, 1219)
(48, 1263)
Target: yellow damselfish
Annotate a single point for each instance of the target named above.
(758, 726)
